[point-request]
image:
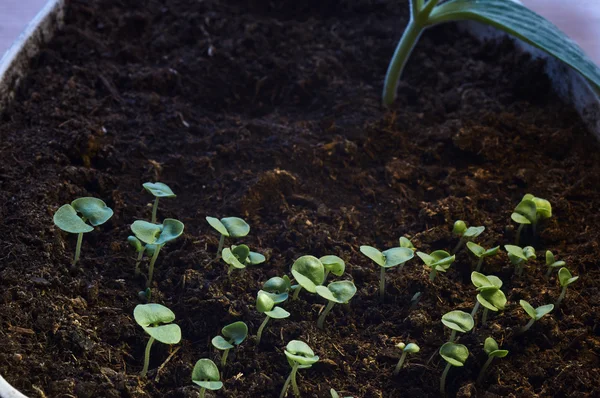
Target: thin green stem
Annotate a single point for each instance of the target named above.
(400, 363)
(286, 386)
(483, 370)
(382, 284)
(151, 267)
(326, 311)
(443, 379)
(221, 243)
(260, 329)
(154, 210)
(452, 336)
(563, 293)
(458, 246)
(147, 357)
(475, 308)
(432, 274)
(518, 234)
(294, 382)
(479, 263)
(202, 392)
(296, 292)
(526, 327)
(78, 248)
(549, 272)
(224, 357)
(138, 261)
(484, 317)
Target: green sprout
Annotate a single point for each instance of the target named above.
(481, 253)
(333, 264)
(156, 320)
(551, 263)
(518, 256)
(235, 333)
(139, 248)
(491, 348)
(90, 209)
(565, 278)
(466, 234)
(334, 394)
(206, 375)
(299, 356)
(159, 190)
(409, 348)
(231, 227)
(336, 292)
(535, 313)
(438, 261)
(489, 294)
(458, 321)
(530, 211)
(238, 257)
(266, 305)
(157, 235)
(309, 272)
(405, 242)
(387, 259)
(455, 355)
(278, 288)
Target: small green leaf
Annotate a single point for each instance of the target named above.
(543, 310)
(277, 313)
(221, 344)
(473, 232)
(206, 375)
(565, 278)
(231, 259)
(171, 230)
(93, 210)
(236, 227)
(549, 258)
(241, 252)
(339, 292)
(167, 334)
(235, 332)
(412, 348)
(255, 258)
(480, 280)
(309, 272)
(543, 208)
(333, 264)
(490, 345)
(277, 285)
(491, 252)
(529, 252)
(135, 243)
(159, 189)
(515, 251)
(498, 353)
(528, 309)
(454, 354)
(519, 219)
(459, 321)
(459, 228)
(299, 352)
(525, 212)
(264, 301)
(146, 231)
(218, 225)
(152, 314)
(475, 249)
(397, 256)
(494, 300)
(373, 254)
(404, 242)
(66, 218)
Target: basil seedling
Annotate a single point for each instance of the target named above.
(466, 234)
(266, 305)
(334, 394)
(481, 253)
(139, 248)
(551, 263)
(72, 218)
(409, 348)
(458, 321)
(156, 320)
(299, 356)
(535, 313)
(405, 242)
(231, 227)
(492, 350)
(530, 211)
(455, 355)
(235, 333)
(206, 375)
(333, 264)
(438, 261)
(278, 288)
(387, 259)
(238, 257)
(518, 256)
(336, 292)
(309, 272)
(159, 190)
(565, 278)
(489, 294)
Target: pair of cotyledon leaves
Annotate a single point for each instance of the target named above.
(490, 296)
(72, 217)
(235, 333)
(157, 234)
(156, 320)
(309, 272)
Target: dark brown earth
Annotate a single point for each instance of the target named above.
(271, 111)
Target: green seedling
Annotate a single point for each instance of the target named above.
(409, 348)
(481, 253)
(333, 264)
(565, 278)
(530, 211)
(405, 242)
(278, 288)
(238, 257)
(489, 294)
(466, 234)
(455, 355)
(139, 248)
(266, 305)
(336, 292)
(235, 333)
(309, 272)
(387, 259)
(551, 263)
(458, 321)
(157, 235)
(299, 356)
(73, 218)
(156, 320)
(535, 313)
(206, 375)
(414, 301)
(334, 394)
(509, 16)
(519, 256)
(438, 261)
(231, 227)
(491, 349)
(159, 190)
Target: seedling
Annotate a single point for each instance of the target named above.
(530, 211)
(490, 296)
(455, 355)
(206, 375)
(458, 321)
(466, 234)
(387, 259)
(72, 218)
(535, 313)
(139, 248)
(336, 292)
(231, 227)
(157, 235)
(481, 253)
(299, 356)
(333, 264)
(491, 349)
(518, 256)
(238, 257)
(565, 278)
(235, 333)
(551, 263)
(438, 261)
(266, 305)
(156, 320)
(405, 242)
(278, 288)
(414, 301)
(409, 348)
(334, 394)
(159, 190)
(309, 272)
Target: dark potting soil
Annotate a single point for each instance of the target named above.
(270, 110)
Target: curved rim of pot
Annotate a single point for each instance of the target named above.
(8, 391)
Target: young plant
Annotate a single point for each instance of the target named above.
(231, 227)
(73, 218)
(530, 211)
(489, 294)
(387, 259)
(535, 313)
(405, 242)
(409, 348)
(278, 288)
(334, 394)
(139, 248)
(455, 355)
(235, 333)
(438, 261)
(156, 320)
(299, 356)
(266, 305)
(333, 264)
(206, 375)
(565, 278)
(458, 321)
(238, 257)
(309, 272)
(159, 190)
(551, 263)
(481, 253)
(466, 234)
(157, 235)
(518, 256)
(492, 350)
(336, 292)
(509, 16)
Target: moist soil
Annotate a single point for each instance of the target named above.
(271, 111)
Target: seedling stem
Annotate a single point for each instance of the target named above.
(147, 357)
(260, 329)
(443, 379)
(221, 243)
(78, 248)
(452, 336)
(526, 327)
(382, 284)
(151, 267)
(400, 363)
(224, 357)
(326, 311)
(154, 210)
(291, 379)
(484, 368)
